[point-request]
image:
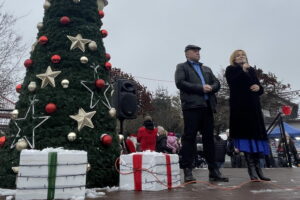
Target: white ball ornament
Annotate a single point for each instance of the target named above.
(102, 4)
(121, 138)
(88, 167)
(40, 25)
(112, 112)
(93, 46)
(47, 5)
(72, 136)
(65, 83)
(84, 60)
(21, 144)
(14, 114)
(32, 86)
(15, 169)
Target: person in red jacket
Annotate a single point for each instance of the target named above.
(147, 135)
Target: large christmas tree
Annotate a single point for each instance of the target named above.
(65, 97)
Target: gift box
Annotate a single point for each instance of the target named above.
(149, 171)
(51, 174)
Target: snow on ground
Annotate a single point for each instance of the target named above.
(9, 198)
(89, 193)
(93, 193)
(98, 192)
(270, 190)
(7, 192)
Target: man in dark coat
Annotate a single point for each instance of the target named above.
(197, 85)
(291, 150)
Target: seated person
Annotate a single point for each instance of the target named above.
(147, 135)
(161, 141)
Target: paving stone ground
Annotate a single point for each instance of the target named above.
(285, 185)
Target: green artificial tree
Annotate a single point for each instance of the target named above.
(65, 97)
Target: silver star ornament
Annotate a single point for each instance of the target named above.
(19, 135)
(48, 77)
(78, 42)
(84, 119)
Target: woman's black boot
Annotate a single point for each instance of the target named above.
(258, 169)
(251, 166)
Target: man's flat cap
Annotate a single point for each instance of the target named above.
(190, 46)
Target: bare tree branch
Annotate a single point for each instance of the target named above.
(11, 52)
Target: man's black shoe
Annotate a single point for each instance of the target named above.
(218, 179)
(216, 176)
(188, 175)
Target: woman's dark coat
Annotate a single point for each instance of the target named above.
(246, 118)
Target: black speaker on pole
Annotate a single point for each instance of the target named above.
(125, 99)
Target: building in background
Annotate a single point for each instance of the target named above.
(6, 107)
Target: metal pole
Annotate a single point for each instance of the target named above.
(123, 144)
(121, 126)
(283, 136)
(273, 124)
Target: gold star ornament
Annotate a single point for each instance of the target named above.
(84, 119)
(48, 77)
(78, 42)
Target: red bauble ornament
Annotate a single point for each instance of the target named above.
(65, 20)
(100, 83)
(2, 141)
(287, 110)
(106, 139)
(107, 56)
(50, 108)
(28, 63)
(55, 59)
(19, 88)
(101, 13)
(108, 66)
(43, 40)
(104, 33)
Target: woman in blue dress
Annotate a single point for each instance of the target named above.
(247, 128)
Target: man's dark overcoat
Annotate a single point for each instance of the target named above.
(189, 83)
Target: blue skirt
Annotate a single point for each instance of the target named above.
(252, 146)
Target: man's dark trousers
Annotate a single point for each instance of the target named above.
(199, 119)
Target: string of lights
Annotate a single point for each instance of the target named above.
(55, 188)
(160, 80)
(168, 81)
(151, 79)
(41, 165)
(46, 176)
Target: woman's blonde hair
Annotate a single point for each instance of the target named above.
(234, 54)
(160, 130)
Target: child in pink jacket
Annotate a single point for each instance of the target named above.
(172, 142)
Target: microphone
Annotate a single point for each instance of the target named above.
(245, 67)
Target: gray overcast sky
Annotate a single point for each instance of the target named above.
(147, 38)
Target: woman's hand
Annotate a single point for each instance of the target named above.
(246, 67)
(254, 88)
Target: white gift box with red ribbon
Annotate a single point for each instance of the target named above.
(149, 171)
(66, 180)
